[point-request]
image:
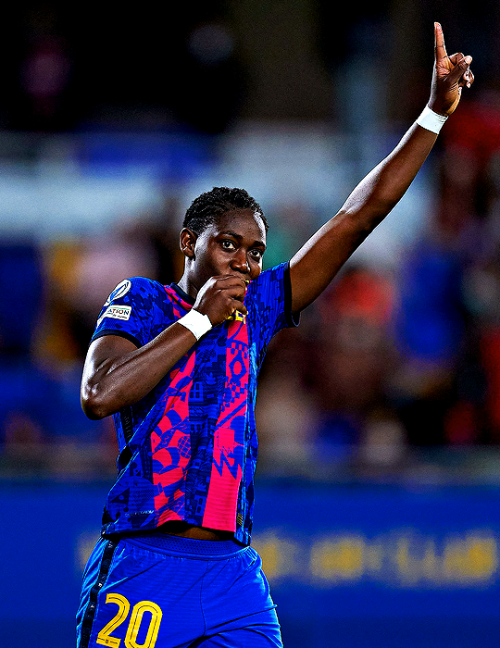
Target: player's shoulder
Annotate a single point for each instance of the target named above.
(136, 287)
(135, 301)
(271, 276)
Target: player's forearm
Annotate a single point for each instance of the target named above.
(113, 379)
(385, 185)
(316, 264)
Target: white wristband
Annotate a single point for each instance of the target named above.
(430, 120)
(195, 322)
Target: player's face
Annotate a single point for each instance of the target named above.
(235, 245)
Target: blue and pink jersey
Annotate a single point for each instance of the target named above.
(188, 449)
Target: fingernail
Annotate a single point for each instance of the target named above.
(468, 60)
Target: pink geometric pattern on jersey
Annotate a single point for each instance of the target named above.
(229, 435)
(154, 435)
(171, 447)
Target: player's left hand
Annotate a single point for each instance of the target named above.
(450, 75)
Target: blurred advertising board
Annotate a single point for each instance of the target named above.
(349, 566)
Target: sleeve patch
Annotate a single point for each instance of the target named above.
(116, 312)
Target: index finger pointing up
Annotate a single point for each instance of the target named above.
(439, 47)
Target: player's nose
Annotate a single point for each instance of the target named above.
(240, 263)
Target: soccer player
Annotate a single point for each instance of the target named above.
(177, 368)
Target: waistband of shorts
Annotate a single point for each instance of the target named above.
(189, 547)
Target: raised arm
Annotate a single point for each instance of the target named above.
(319, 260)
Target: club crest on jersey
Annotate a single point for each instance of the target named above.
(236, 317)
(117, 312)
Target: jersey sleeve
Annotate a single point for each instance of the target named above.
(128, 312)
(272, 296)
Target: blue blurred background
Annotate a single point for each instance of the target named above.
(378, 500)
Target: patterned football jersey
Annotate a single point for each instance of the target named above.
(188, 449)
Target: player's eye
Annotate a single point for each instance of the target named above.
(227, 244)
(256, 254)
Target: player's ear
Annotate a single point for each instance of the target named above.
(187, 242)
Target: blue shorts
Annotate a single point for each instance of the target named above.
(160, 591)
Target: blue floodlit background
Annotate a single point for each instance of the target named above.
(378, 488)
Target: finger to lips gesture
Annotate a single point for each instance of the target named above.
(450, 75)
(220, 297)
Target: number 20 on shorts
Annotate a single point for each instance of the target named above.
(104, 637)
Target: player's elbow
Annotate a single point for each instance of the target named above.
(371, 214)
(93, 404)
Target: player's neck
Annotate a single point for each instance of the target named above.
(187, 286)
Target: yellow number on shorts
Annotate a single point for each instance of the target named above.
(123, 610)
(138, 611)
(135, 624)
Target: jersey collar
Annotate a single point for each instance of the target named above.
(183, 299)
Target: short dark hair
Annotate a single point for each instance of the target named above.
(209, 206)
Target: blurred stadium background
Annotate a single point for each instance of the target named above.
(378, 489)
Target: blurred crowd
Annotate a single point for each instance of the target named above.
(53, 293)
(403, 357)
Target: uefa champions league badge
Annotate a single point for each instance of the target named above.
(120, 290)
